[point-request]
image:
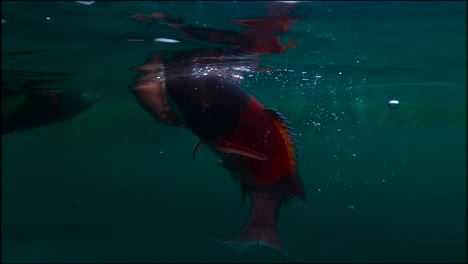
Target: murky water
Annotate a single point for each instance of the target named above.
(384, 184)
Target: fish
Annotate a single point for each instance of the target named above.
(255, 144)
(267, 23)
(260, 35)
(29, 101)
(27, 109)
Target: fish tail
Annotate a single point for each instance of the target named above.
(251, 236)
(261, 226)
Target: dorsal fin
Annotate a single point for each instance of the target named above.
(294, 182)
(284, 127)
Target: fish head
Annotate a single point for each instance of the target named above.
(209, 105)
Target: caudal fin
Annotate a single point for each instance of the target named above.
(252, 236)
(265, 203)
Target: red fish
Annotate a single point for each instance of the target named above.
(254, 43)
(253, 143)
(267, 23)
(260, 37)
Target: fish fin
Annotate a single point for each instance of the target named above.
(228, 147)
(236, 177)
(197, 146)
(284, 127)
(252, 236)
(277, 116)
(295, 187)
(244, 193)
(295, 193)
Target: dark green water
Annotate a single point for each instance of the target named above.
(113, 185)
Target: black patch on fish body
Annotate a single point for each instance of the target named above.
(210, 104)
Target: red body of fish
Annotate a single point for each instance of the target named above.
(270, 177)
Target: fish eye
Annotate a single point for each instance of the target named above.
(206, 101)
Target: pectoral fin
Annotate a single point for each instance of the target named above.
(196, 147)
(228, 147)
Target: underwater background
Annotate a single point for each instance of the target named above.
(384, 184)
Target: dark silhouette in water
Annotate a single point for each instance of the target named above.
(26, 104)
